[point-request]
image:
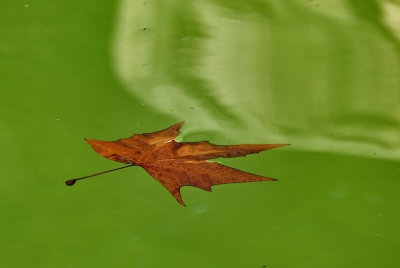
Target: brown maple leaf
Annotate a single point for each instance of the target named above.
(176, 164)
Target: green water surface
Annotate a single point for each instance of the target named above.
(320, 75)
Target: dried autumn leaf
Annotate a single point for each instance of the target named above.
(176, 164)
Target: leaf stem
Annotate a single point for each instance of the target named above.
(72, 182)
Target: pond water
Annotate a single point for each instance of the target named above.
(320, 75)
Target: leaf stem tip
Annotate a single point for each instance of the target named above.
(70, 182)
